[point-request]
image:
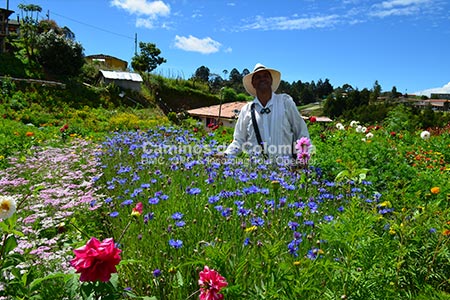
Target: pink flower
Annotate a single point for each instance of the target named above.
(96, 260)
(303, 144)
(137, 211)
(211, 282)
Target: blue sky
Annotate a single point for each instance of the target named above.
(401, 43)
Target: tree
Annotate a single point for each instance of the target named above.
(148, 59)
(59, 55)
(376, 92)
(28, 28)
(202, 74)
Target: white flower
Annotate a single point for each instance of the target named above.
(359, 129)
(354, 123)
(425, 135)
(7, 207)
(339, 126)
(369, 135)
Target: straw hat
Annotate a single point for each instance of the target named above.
(247, 80)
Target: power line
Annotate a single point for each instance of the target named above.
(93, 26)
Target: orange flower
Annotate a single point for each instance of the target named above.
(29, 133)
(446, 232)
(435, 190)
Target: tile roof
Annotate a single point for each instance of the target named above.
(229, 110)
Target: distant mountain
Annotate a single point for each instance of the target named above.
(441, 90)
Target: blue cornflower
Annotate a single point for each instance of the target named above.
(153, 200)
(180, 223)
(297, 236)
(176, 243)
(293, 225)
(265, 191)
(293, 248)
(156, 272)
(177, 216)
(193, 191)
(313, 207)
(385, 211)
(114, 214)
(312, 254)
(309, 223)
(242, 212)
(340, 208)
(257, 221)
(239, 203)
(298, 214)
(218, 207)
(148, 216)
(328, 218)
(108, 200)
(92, 203)
(127, 202)
(247, 242)
(432, 230)
(145, 185)
(213, 199)
(226, 212)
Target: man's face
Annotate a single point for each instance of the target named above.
(262, 80)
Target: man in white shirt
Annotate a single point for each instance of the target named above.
(276, 118)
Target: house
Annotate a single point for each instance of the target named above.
(7, 27)
(108, 62)
(227, 114)
(125, 80)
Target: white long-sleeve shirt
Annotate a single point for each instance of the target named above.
(279, 129)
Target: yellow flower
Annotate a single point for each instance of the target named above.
(297, 263)
(392, 231)
(385, 204)
(251, 229)
(435, 190)
(7, 207)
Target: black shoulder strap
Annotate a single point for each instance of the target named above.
(256, 128)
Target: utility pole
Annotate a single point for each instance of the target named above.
(135, 44)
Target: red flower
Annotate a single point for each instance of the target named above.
(64, 128)
(96, 260)
(211, 282)
(195, 129)
(312, 119)
(137, 211)
(393, 133)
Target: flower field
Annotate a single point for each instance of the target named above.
(367, 218)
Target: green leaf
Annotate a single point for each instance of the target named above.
(180, 280)
(10, 244)
(37, 282)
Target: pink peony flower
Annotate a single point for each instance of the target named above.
(211, 282)
(96, 260)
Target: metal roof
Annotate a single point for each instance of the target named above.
(121, 75)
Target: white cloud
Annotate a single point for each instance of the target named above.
(152, 9)
(397, 8)
(146, 23)
(285, 23)
(191, 43)
(441, 90)
(394, 3)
